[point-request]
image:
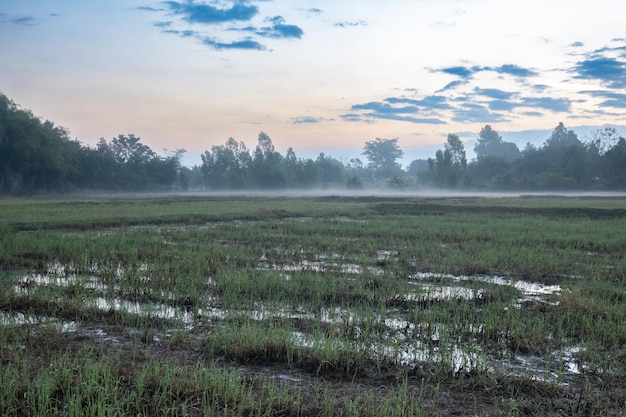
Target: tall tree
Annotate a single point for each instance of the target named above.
(331, 170)
(268, 164)
(494, 158)
(456, 149)
(227, 166)
(616, 165)
(383, 155)
(562, 138)
(34, 155)
(450, 165)
(491, 145)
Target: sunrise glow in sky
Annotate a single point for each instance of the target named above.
(316, 75)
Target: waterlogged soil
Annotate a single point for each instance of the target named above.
(344, 314)
(547, 383)
(133, 349)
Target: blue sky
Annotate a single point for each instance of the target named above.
(316, 75)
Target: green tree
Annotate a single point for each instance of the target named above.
(562, 162)
(331, 170)
(34, 155)
(267, 164)
(449, 167)
(615, 165)
(491, 145)
(418, 169)
(227, 166)
(494, 158)
(383, 155)
(566, 158)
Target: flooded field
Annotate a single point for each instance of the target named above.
(319, 306)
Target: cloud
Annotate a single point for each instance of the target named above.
(548, 103)
(502, 105)
(609, 71)
(617, 100)
(451, 85)
(162, 24)
(207, 14)
(149, 9)
(350, 24)
(431, 102)
(558, 105)
(384, 108)
(494, 93)
(207, 22)
(243, 44)
(182, 33)
(510, 69)
(379, 110)
(278, 30)
(352, 117)
(19, 20)
(532, 114)
(470, 112)
(507, 69)
(463, 72)
(304, 120)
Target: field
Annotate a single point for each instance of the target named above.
(313, 306)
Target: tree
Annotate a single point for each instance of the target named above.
(566, 156)
(383, 155)
(34, 155)
(418, 169)
(562, 138)
(267, 164)
(616, 164)
(494, 158)
(130, 150)
(457, 152)
(488, 141)
(331, 170)
(491, 145)
(227, 166)
(450, 165)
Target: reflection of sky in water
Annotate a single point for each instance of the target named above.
(403, 341)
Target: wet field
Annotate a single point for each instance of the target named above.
(314, 306)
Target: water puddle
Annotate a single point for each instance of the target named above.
(382, 334)
(21, 319)
(529, 291)
(556, 368)
(434, 292)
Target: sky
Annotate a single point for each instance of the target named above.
(315, 75)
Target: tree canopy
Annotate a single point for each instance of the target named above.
(37, 156)
(383, 155)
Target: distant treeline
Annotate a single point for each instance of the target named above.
(38, 157)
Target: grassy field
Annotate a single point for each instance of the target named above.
(313, 306)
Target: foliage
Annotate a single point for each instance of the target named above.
(383, 155)
(34, 155)
(38, 157)
(450, 166)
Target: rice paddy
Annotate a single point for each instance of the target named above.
(313, 306)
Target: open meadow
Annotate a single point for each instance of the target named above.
(313, 306)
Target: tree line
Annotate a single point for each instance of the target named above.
(37, 156)
(562, 162)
